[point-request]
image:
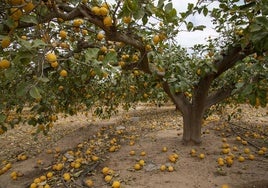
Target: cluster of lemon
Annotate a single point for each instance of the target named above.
(19, 7)
(173, 158)
(5, 168)
(104, 12)
(52, 59)
(229, 156)
(193, 153)
(114, 146)
(42, 181)
(4, 63)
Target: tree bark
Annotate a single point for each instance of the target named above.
(192, 124)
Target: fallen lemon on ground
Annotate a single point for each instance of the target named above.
(163, 167)
(66, 176)
(137, 166)
(105, 170)
(108, 178)
(116, 184)
(89, 182)
(202, 156)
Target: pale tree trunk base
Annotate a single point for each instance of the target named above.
(191, 142)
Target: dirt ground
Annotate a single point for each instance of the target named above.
(128, 138)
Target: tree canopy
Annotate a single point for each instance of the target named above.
(60, 56)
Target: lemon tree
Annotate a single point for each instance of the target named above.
(70, 56)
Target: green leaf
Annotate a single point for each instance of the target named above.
(42, 10)
(132, 5)
(2, 118)
(248, 90)
(262, 20)
(110, 57)
(38, 43)
(138, 14)
(254, 28)
(205, 11)
(43, 79)
(10, 23)
(168, 7)
(32, 122)
(189, 26)
(29, 19)
(34, 92)
(200, 28)
(145, 19)
(21, 90)
(25, 43)
(190, 6)
(91, 54)
(160, 4)
(172, 16)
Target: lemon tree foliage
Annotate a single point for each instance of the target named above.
(67, 56)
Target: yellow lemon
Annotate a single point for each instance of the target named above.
(95, 10)
(103, 11)
(89, 182)
(4, 64)
(202, 156)
(137, 166)
(127, 19)
(66, 176)
(116, 184)
(107, 21)
(5, 42)
(163, 167)
(100, 36)
(63, 73)
(51, 57)
(105, 170)
(156, 39)
(107, 178)
(49, 174)
(63, 34)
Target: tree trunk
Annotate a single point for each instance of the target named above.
(192, 123)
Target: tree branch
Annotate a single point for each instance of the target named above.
(219, 95)
(233, 55)
(178, 99)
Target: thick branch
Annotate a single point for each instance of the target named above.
(219, 96)
(226, 92)
(179, 99)
(201, 92)
(232, 56)
(71, 14)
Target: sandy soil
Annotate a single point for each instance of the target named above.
(146, 129)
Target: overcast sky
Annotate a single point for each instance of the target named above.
(189, 39)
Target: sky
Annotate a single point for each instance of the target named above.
(189, 39)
